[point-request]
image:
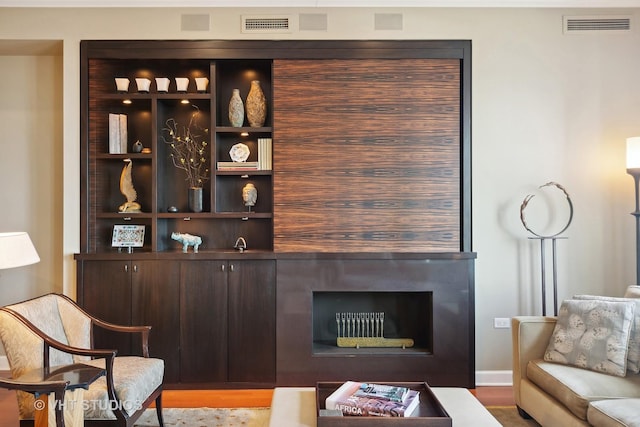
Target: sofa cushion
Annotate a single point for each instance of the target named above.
(633, 355)
(614, 413)
(592, 334)
(575, 388)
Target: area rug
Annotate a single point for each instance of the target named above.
(207, 417)
(508, 416)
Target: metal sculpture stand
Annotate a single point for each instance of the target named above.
(543, 239)
(543, 272)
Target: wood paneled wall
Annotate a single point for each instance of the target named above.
(367, 155)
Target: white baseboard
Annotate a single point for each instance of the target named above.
(494, 378)
(483, 378)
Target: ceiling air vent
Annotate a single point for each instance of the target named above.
(266, 24)
(593, 24)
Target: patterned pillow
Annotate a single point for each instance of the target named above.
(633, 357)
(592, 334)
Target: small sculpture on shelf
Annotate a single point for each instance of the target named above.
(187, 240)
(127, 190)
(249, 195)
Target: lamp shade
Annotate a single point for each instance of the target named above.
(16, 250)
(633, 152)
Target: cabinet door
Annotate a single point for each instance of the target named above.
(203, 321)
(252, 321)
(106, 291)
(155, 286)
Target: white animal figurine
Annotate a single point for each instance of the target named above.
(187, 240)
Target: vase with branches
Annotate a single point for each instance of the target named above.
(188, 145)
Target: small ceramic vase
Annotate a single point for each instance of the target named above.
(236, 109)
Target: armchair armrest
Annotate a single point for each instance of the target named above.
(143, 330)
(530, 338)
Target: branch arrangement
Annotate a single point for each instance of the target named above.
(188, 145)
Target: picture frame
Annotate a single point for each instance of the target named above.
(128, 236)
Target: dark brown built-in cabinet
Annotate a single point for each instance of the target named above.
(366, 208)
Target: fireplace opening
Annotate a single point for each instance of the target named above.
(372, 323)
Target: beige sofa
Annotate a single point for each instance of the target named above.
(561, 395)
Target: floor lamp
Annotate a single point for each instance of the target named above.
(16, 250)
(633, 169)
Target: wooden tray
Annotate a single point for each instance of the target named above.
(429, 413)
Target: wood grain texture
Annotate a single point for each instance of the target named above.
(367, 155)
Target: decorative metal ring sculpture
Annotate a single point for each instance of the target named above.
(526, 201)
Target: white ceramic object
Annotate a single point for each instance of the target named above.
(182, 83)
(239, 152)
(201, 84)
(143, 84)
(122, 84)
(162, 84)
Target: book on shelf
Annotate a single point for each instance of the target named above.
(264, 154)
(117, 133)
(347, 400)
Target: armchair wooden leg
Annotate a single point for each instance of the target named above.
(159, 410)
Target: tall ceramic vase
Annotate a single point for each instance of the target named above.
(256, 105)
(236, 109)
(195, 199)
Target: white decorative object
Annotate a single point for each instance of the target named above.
(162, 84)
(239, 152)
(249, 195)
(187, 240)
(182, 84)
(122, 84)
(143, 84)
(128, 236)
(201, 84)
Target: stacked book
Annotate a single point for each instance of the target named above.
(373, 400)
(117, 133)
(238, 166)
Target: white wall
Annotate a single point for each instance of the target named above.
(546, 107)
(31, 169)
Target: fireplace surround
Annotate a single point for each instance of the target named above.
(426, 297)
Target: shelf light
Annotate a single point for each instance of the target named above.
(244, 133)
(184, 101)
(126, 101)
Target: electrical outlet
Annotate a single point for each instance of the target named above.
(501, 323)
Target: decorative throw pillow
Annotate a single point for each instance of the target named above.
(633, 356)
(592, 334)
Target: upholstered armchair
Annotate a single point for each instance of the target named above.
(51, 331)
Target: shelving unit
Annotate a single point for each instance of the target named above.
(160, 185)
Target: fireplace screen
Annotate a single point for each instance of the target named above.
(374, 322)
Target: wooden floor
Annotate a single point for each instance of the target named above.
(488, 396)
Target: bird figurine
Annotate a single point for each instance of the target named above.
(127, 190)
